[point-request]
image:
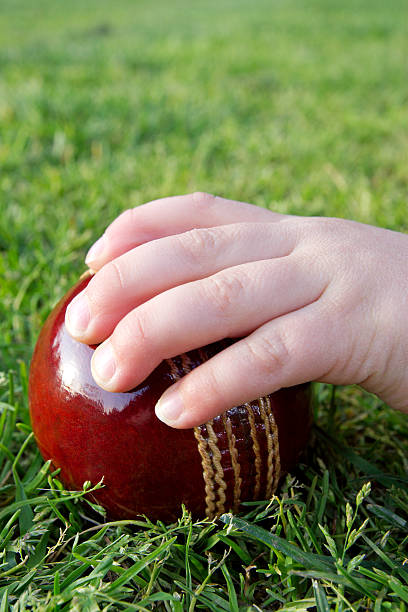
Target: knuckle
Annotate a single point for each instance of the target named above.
(201, 198)
(103, 285)
(197, 243)
(203, 383)
(132, 330)
(140, 326)
(117, 278)
(123, 223)
(269, 354)
(224, 290)
(333, 234)
(125, 219)
(203, 203)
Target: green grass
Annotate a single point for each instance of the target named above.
(298, 106)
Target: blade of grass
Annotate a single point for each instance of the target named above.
(310, 560)
(187, 563)
(26, 515)
(232, 596)
(4, 602)
(391, 564)
(322, 604)
(128, 575)
(388, 515)
(323, 498)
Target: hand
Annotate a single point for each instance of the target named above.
(312, 299)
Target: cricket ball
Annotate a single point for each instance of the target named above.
(148, 467)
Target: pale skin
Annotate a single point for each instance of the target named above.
(310, 299)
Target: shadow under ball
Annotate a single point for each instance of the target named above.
(148, 467)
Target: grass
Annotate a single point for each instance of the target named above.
(294, 105)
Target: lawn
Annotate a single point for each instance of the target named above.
(299, 106)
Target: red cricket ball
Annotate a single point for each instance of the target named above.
(148, 467)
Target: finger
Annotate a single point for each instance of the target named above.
(293, 349)
(169, 216)
(230, 303)
(156, 266)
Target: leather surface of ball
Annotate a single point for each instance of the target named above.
(148, 467)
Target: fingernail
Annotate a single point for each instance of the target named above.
(78, 315)
(96, 250)
(104, 363)
(170, 407)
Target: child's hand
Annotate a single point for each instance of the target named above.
(313, 299)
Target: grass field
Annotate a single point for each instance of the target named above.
(300, 106)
